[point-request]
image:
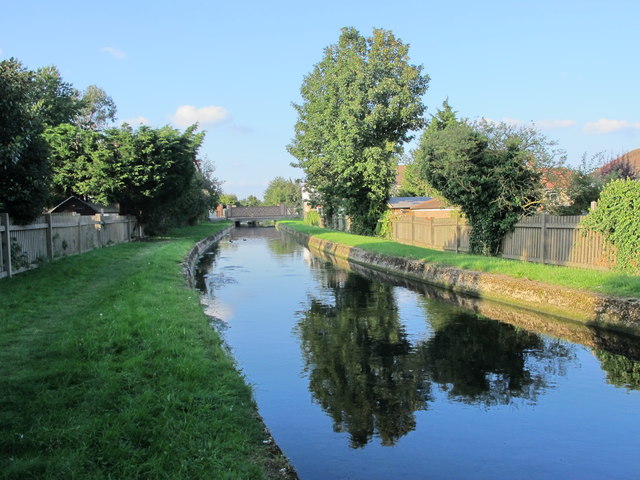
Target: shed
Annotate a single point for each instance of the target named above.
(77, 205)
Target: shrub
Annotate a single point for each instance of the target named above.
(617, 218)
(312, 219)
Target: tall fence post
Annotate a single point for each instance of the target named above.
(6, 243)
(457, 234)
(79, 234)
(49, 236)
(544, 240)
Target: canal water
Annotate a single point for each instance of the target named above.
(363, 377)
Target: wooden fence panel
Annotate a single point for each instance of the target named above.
(555, 240)
(56, 235)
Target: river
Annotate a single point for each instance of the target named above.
(362, 377)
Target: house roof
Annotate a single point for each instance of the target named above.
(632, 158)
(405, 202)
(432, 204)
(556, 177)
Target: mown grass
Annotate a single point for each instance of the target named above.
(610, 283)
(109, 370)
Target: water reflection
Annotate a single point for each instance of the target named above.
(367, 375)
(360, 365)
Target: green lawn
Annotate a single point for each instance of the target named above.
(110, 370)
(610, 283)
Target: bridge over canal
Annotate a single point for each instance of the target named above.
(257, 214)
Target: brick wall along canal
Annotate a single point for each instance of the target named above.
(359, 377)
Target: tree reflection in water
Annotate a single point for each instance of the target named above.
(367, 376)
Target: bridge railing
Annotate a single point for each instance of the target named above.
(277, 211)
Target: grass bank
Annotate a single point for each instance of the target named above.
(608, 283)
(109, 370)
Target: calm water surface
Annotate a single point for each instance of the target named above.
(362, 378)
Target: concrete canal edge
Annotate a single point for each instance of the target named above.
(279, 466)
(610, 312)
(190, 263)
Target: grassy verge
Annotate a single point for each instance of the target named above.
(609, 283)
(109, 369)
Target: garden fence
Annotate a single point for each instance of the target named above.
(55, 235)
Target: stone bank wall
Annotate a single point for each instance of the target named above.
(589, 308)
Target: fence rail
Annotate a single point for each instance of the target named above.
(55, 235)
(550, 239)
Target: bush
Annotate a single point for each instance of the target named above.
(617, 218)
(312, 219)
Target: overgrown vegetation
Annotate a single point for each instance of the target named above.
(617, 218)
(491, 171)
(109, 369)
(611, 283)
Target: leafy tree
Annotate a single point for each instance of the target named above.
(284, 191)
(359, 105)
(147, 170)
(96, 110)
(24, 166)
(617, 218)
(229, 199)
(54, 100)
(493, 178)
(251, 201)
(76, 157)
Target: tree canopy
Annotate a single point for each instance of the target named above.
(281, 190)
(491, 173)
(359, 106)
(24, 166)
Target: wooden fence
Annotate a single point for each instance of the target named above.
(551, 239)
(55, 235)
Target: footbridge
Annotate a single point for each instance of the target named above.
(257, 214)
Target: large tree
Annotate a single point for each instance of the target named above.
(359, 106)
(281, 190)
(96, 110)
(493, 178)
(24, 166)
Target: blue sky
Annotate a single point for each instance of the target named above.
(571, 67)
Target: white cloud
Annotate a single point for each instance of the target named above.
(605, 125)
(550, 124)
(137, 121)
(212, 115)
(114, 52)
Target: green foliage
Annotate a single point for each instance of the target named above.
(385, 228)
(55, 101)
(228, 199)
(281, 190)
(76, 157)
(617, 218)
(312, 218)
(24, 166)
(490, 175)
(251, 201)
(359, 105)
(96, 110)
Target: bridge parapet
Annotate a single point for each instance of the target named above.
(261, 212)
